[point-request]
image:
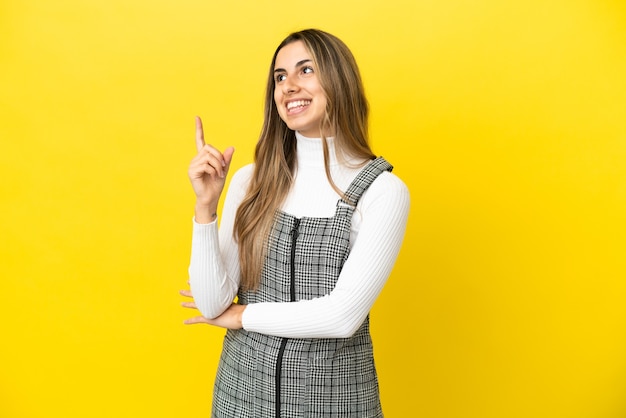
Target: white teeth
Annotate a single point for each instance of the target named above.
(298, 103)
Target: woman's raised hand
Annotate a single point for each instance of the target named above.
(207, 172)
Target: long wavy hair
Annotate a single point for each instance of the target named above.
(345, 119)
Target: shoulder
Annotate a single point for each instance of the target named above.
(383, 210)
(242, 176)
(387, 184)
(238, 185)
(387, 190)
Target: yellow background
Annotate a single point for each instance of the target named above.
(505, 118)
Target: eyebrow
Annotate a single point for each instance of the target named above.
(299, 63)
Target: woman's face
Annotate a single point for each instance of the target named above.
(299, 97)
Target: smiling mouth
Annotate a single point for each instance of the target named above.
(297, 104)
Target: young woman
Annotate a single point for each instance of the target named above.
(308, 236)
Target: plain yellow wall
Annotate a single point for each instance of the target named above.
(505, 118)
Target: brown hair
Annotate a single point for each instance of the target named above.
(346, 118)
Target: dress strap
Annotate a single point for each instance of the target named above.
(363, 180)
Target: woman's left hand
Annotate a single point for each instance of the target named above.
(230, 318)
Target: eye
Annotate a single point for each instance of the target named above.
(307, 70)
(280, 77)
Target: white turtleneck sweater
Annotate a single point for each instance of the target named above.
(378, 226)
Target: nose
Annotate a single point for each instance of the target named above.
(290, 85)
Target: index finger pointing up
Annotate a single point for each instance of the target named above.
(199, 134)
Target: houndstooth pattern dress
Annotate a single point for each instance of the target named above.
(263, 376)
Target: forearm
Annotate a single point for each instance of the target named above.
(205, 213)
(325, 317)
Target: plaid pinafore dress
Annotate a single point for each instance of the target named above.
(262, 376)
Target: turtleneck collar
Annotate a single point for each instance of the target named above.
(311, 151)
